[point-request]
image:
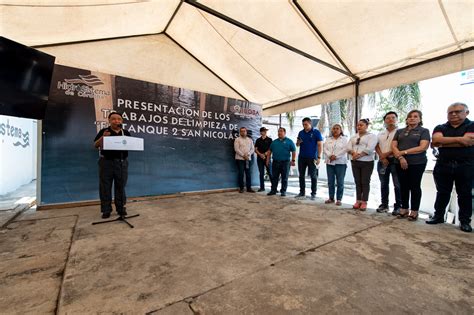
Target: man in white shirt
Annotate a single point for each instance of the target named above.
(386, 165)
(244, 151)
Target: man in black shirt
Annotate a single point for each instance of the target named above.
(262, 145)
(113, 168)
(455, 163)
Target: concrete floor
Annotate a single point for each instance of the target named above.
(233, 253)
(15, 202)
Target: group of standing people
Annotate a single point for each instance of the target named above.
(401, 156)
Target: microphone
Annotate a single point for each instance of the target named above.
(121, 128)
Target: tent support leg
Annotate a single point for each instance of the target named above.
(357, 83)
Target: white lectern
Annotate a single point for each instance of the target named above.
(123, 143)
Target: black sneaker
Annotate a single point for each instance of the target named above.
(313, 197)
(271, 193)
(241, 190)
(396, 211)
(466, 227)
(283, 194)
(300, 195)
(261, 189)
(435, 220)
(382, 208)
(105, 215)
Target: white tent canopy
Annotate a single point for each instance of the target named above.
(280, 53)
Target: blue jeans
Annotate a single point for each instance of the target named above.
(280, 168)
(336, 173)
(261, 169)
(304, 163)
(391, 169)
(244, 168)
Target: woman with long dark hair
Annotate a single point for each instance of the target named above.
(409, 146)
(335, 154)
(361, 147)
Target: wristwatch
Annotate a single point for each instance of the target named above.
(293, 160)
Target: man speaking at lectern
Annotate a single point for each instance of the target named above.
(113, 168)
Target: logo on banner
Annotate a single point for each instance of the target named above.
(20, 138)
(90, 80)
(83, 86)
(246, 111)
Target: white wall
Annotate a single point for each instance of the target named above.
(17, 152)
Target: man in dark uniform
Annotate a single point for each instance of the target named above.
(455, 163)
(113, 168)
(262, 145)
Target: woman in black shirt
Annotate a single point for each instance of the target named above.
(409, 146)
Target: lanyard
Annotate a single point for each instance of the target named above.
(358, 142)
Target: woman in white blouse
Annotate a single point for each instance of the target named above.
(335, 154)
(361, 147)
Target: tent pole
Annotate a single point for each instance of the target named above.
(410, 66)
(172, 17)
(300, 9)
(205, 66)
(255, 32)
(357, 83)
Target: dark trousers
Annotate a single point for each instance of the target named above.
(336, 173)
(243, 167)
(391, 169)
(362, 170)
(280, 168)
(304, 163)
(261, 170)
(112, 172)
(410, 185)
(447, 173)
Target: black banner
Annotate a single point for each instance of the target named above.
(188, 135)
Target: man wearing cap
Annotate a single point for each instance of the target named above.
(310, 142)
(113, 168)
(262, 145)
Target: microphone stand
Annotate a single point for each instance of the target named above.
(121, 217)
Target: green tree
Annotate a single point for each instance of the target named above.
(400, 99)
(290, 117)
(341, 112)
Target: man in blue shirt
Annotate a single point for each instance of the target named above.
(281, 149)
(310, 142)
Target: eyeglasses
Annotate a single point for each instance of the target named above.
(456, 112)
